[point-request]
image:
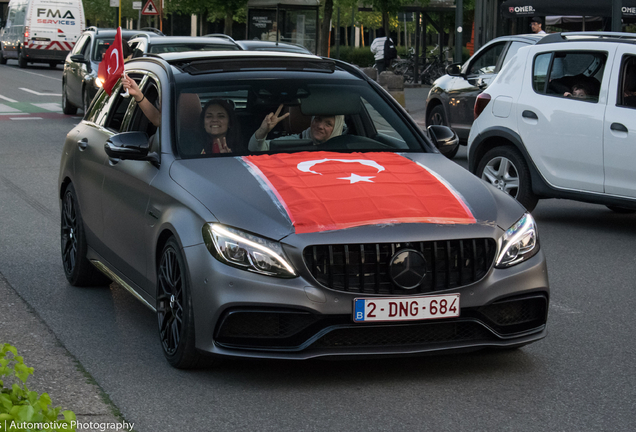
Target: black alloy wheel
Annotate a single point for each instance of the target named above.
(78, 269)
(174, 309)
(67, 107)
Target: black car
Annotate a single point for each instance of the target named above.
(286, 206)
(143, 44)
(451, 100)
(79, 79)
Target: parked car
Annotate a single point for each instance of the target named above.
(41, 31)
(367, 243)
(79, 79)
(558, 122)
(144, 43)
(452, 97)
(258, 45)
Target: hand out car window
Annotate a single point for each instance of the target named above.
(576, 75)
(139, 121)
(627, 89)
(486, 62)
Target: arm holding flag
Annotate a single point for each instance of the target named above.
(151, 112)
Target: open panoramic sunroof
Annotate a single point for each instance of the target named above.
(197, 67)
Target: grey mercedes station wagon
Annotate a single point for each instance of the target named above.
(285, 206)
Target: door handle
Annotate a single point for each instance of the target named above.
(618, 127)
(530, 115)
(83, 143)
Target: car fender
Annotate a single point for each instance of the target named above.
(496, 136)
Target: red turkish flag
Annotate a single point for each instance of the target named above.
(111, 67)
(328, 191)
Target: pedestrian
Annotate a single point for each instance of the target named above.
(378, 49)
(536, 25)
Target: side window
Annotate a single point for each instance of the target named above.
(575, 74)
(512, 51)
(118, 110)
(486, 63)
(139, 121)
(627, 89)
(97, 112)
(540, 72)
(86, 49)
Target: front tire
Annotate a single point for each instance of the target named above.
(507, 170)
(22, 61)
(175, 315)
(77, 268)
(67, 107)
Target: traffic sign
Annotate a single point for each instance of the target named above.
(149, 9)
(136, 5)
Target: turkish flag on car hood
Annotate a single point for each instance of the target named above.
(111, 67)
(323, 191)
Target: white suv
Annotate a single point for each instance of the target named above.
(559, 121)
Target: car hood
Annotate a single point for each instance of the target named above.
(263, 194)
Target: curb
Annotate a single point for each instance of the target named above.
(56, 371)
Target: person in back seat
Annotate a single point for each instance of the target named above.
(322, 129)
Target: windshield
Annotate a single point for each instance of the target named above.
(283, 115)
(101, 45)
(180, 47)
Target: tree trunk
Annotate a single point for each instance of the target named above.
(229, 20)
(346, 36)
(325, 29)
(385, 24)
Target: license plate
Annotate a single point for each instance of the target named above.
(405, 308)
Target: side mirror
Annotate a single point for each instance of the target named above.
(79, 58)
(131, 146)
(444, 138)
(454, 69)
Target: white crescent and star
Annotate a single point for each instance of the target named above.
(114, 51)
(353, 178)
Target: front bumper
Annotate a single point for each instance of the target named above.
(44, 55)
(238, 313)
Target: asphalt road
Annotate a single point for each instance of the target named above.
(579, 378)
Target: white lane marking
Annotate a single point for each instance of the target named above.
(40, 94)
(26, 118)
(15, 113)
(45, 76)
(51, 106)
(8, 99)
(8, 109)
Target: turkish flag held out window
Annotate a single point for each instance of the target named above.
(326, 191)
(111, 67)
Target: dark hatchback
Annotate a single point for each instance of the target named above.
(368, 243)
(451, 100)
(79, 79)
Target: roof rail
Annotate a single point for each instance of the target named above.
(92, 28)
(220, 35)
(136, 35)
(153, 30)
(587, 36)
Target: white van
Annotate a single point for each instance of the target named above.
(42, 31)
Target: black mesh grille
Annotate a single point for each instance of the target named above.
(414, 334)
(364, 268)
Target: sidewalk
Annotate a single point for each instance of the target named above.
(56, 372)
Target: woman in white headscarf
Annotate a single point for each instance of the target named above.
(322, 129)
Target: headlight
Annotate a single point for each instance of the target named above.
(99, 83)
(519, 243)
(246, 251)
